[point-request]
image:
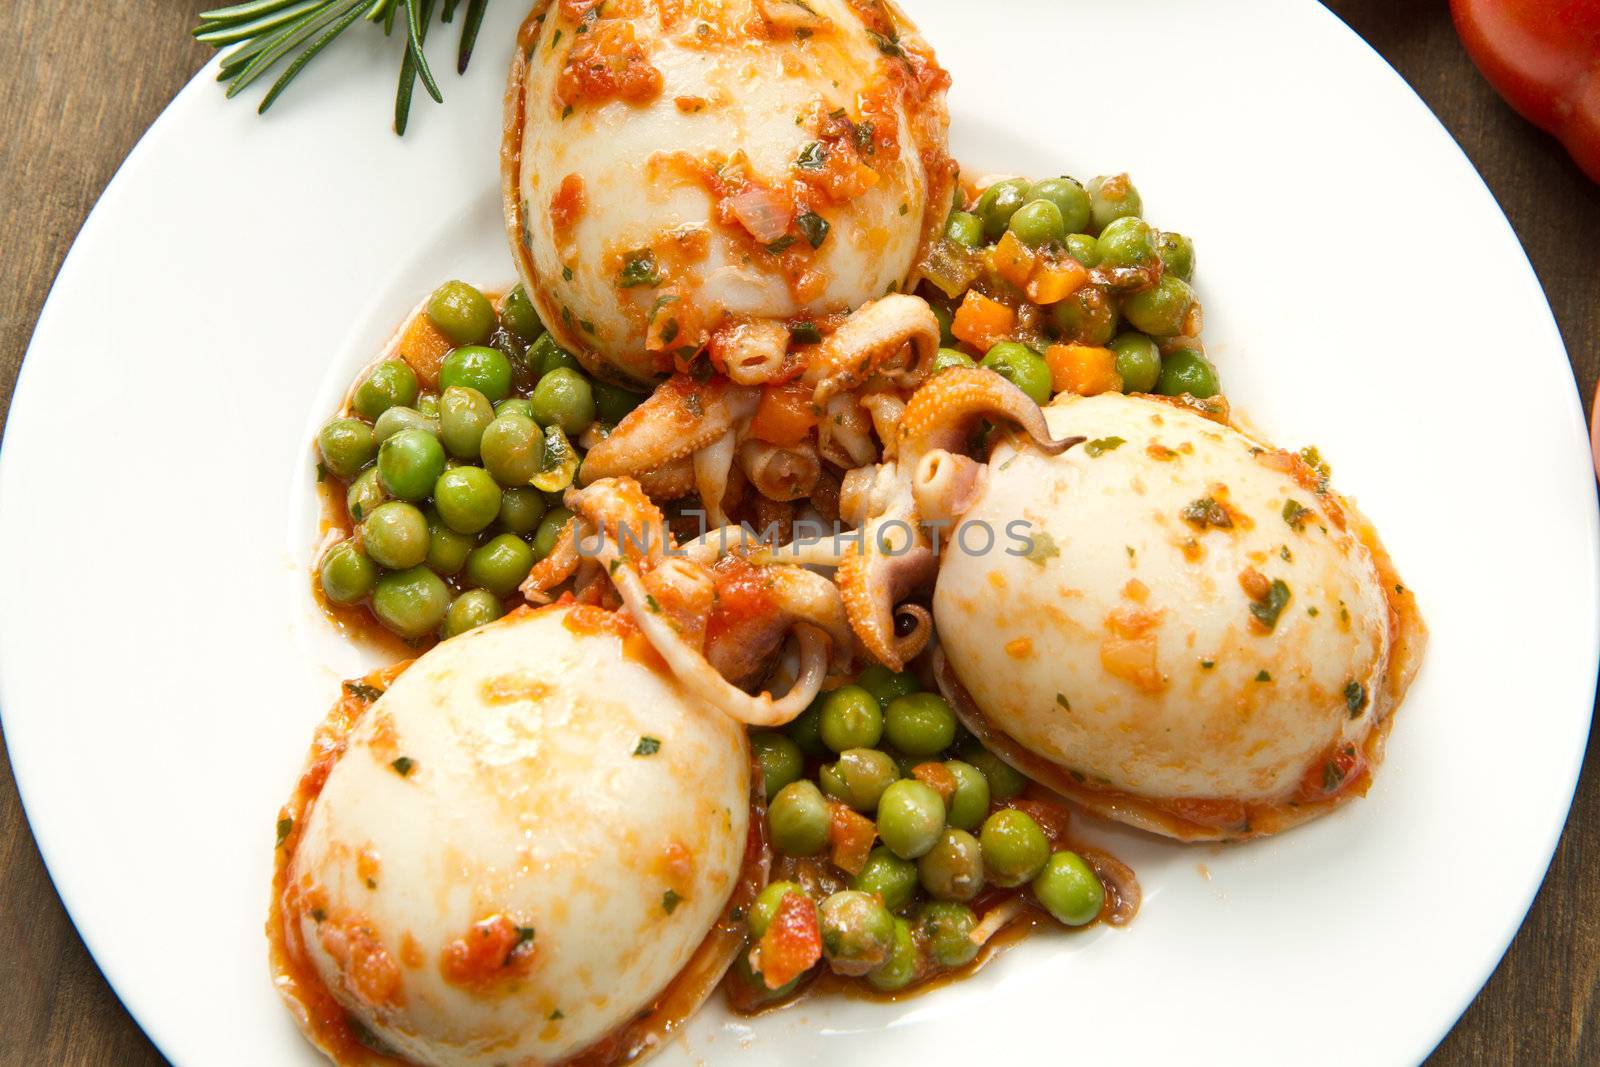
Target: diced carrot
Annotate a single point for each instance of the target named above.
(982, 322)
(1013, 260)
(792, 943)
(785, 414)
(937, 777)
(1082, 369)
(1054, 281)
(851, 835)
(424, 348)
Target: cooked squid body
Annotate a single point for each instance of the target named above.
(1178, 629)
(561, 799)
(692, 163)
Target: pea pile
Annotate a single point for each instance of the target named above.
(934, 810)
(453, 494)
(1064, 287)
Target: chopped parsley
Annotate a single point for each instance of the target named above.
(1207, 664)
(813, 227)
(647, 746)
(805, 333)
(669, 901)
(363, 690)
(1295, 514)
(556, 1015)
(889, 46)
(652, 603)
(1355, 698)
(1101, 445)
(1263, 676)
(318, 915)
(1042, 547)
(1312, 611)
(566, 274)
(524, 935)
(1061, 698)
(566, 112)
(1206, 512)
(1284, 553)
(1267, 610)
(640, 269)
(812, 156)
(781, 244)
(403, 765)
(285, 824)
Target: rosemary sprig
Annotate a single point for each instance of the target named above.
(269, 32)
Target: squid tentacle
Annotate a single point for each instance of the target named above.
(679, 418)
(864, 344)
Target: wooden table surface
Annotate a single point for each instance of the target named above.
(79, 91)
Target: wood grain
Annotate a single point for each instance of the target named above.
(79, 92)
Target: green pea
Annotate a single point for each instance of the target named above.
(1004, 780)
(427, 405)
(857, 931)
(1186, 371)
(951, 357)
(409, 463)
(521, 509)
(969, 804)
(953, 868)
(470, 610)
(398, 418)
(1112, 198)
(544, 539)
(806, 729)
(1127, 242)
(1069, 890)
(395, 535)
(1022, 367)
(544, 356)
(781, 760)
(447, 549)
(798, 819)
(463, 416)
(1166, 309)
(1138, 361)
(346, 445)
(519, 405)
(563, 398)
(920, 724)
(512, 448)
(910, 818)
(1014, 847)
(947, 931)
(500, 564)
(517, 315)
(612, 402)
(1036, 223)
(412, 603)
(885, 684)
(365, 493)
(998, 203)
(468, 500)
(1177, 254)
(765, 908)
(900, 969)
(477, 367)
(1083, 248)
(1069, 198)
(851, 718)
(347, 574)
(964, 229)
(893, 879)
(1087, 316)
(462, 313)
(391, 383)
(859, 776)
(945, 318)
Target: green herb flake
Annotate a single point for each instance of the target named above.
(1312, 611)
(1101, 445)
(1207, 664)
(1266, 611)
(669, 901)
(805, 333)
(639, 270)
(403, 766)
(802, 32)
(1061, 698)
(905, 208)
(322, 473)
(566, 112)
(812, 156)
(1263, 676)
(647, 746)
(669, 331)
(781, 244)
(524, 935)
(588, 327)
(1042, 547)
(318, 915)
(889, 46)
(566, 274)
(363, 691)
(1295, 514)
(1285, 554)
(1206, 512)
(555, 40)
(652, 603)
(285, 824)
(1355, 698)
(814, 228)
(556, 1016)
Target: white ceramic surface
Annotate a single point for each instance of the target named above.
(162, 666)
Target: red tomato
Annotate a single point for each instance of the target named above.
(1543, 56)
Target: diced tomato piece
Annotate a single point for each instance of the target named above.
(423, 347)
(937, 777)
(851, 834)
(792, 943)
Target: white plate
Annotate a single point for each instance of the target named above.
(161, 665)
